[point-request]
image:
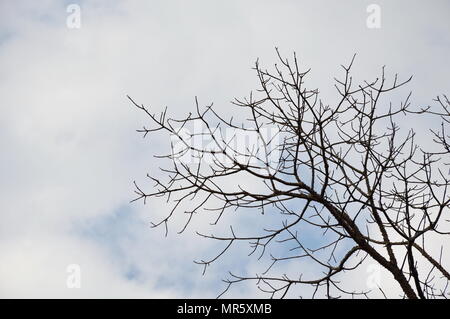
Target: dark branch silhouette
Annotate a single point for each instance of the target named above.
(348, 171)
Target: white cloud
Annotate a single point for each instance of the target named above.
(69, 149)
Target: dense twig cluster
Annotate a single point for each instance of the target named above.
(347, 170)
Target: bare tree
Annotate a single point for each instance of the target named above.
(349, 171)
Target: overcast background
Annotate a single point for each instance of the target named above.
(69, 150)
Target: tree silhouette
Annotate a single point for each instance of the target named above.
(346, 171)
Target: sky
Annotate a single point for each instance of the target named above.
(69, 147)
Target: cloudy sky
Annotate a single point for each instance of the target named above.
(69, 149)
